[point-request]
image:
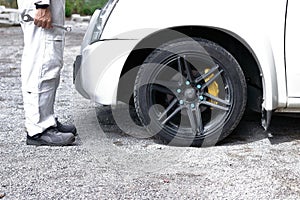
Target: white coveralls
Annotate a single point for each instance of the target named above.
(41, 65)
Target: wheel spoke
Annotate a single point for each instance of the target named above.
(192, 120)
(162, 89)
(215, 105)
(211, 80)
(172, 115)
(168, 109)
(204, 76)
(188, 69)
(199, 120)
(171, 85)
(180, 70)
(217, 99)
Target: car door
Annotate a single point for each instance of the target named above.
(292, 52)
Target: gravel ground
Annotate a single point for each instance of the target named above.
(105, 163)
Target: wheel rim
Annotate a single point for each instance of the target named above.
(194, 94)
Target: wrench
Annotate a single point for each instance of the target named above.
(28, 18)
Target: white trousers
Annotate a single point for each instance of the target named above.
(42, 61)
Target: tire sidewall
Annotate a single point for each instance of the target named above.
(234, 75)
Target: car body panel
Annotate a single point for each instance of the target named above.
(103, 72)
(293, 52)
(259, 25)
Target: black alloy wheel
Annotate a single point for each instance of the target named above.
(190, 92)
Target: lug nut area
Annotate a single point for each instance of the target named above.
(190, 94)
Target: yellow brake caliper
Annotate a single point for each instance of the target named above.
(213, 88)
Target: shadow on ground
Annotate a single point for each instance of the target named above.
(283, 128)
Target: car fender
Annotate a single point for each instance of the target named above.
(257, 24)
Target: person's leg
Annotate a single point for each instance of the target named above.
(40, 72)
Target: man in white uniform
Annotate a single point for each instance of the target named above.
(40, 72)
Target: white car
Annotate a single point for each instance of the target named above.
(190, 68)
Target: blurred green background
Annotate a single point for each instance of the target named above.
(82, 7)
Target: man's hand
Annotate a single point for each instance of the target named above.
(43, 18)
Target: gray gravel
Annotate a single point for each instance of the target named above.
(105, 163)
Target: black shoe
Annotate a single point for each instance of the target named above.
(65, 128)
(51, 137)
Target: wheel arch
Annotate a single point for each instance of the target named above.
(234, 44)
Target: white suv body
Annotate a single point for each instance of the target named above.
(263, 36)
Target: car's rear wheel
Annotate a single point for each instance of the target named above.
(190, 92)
